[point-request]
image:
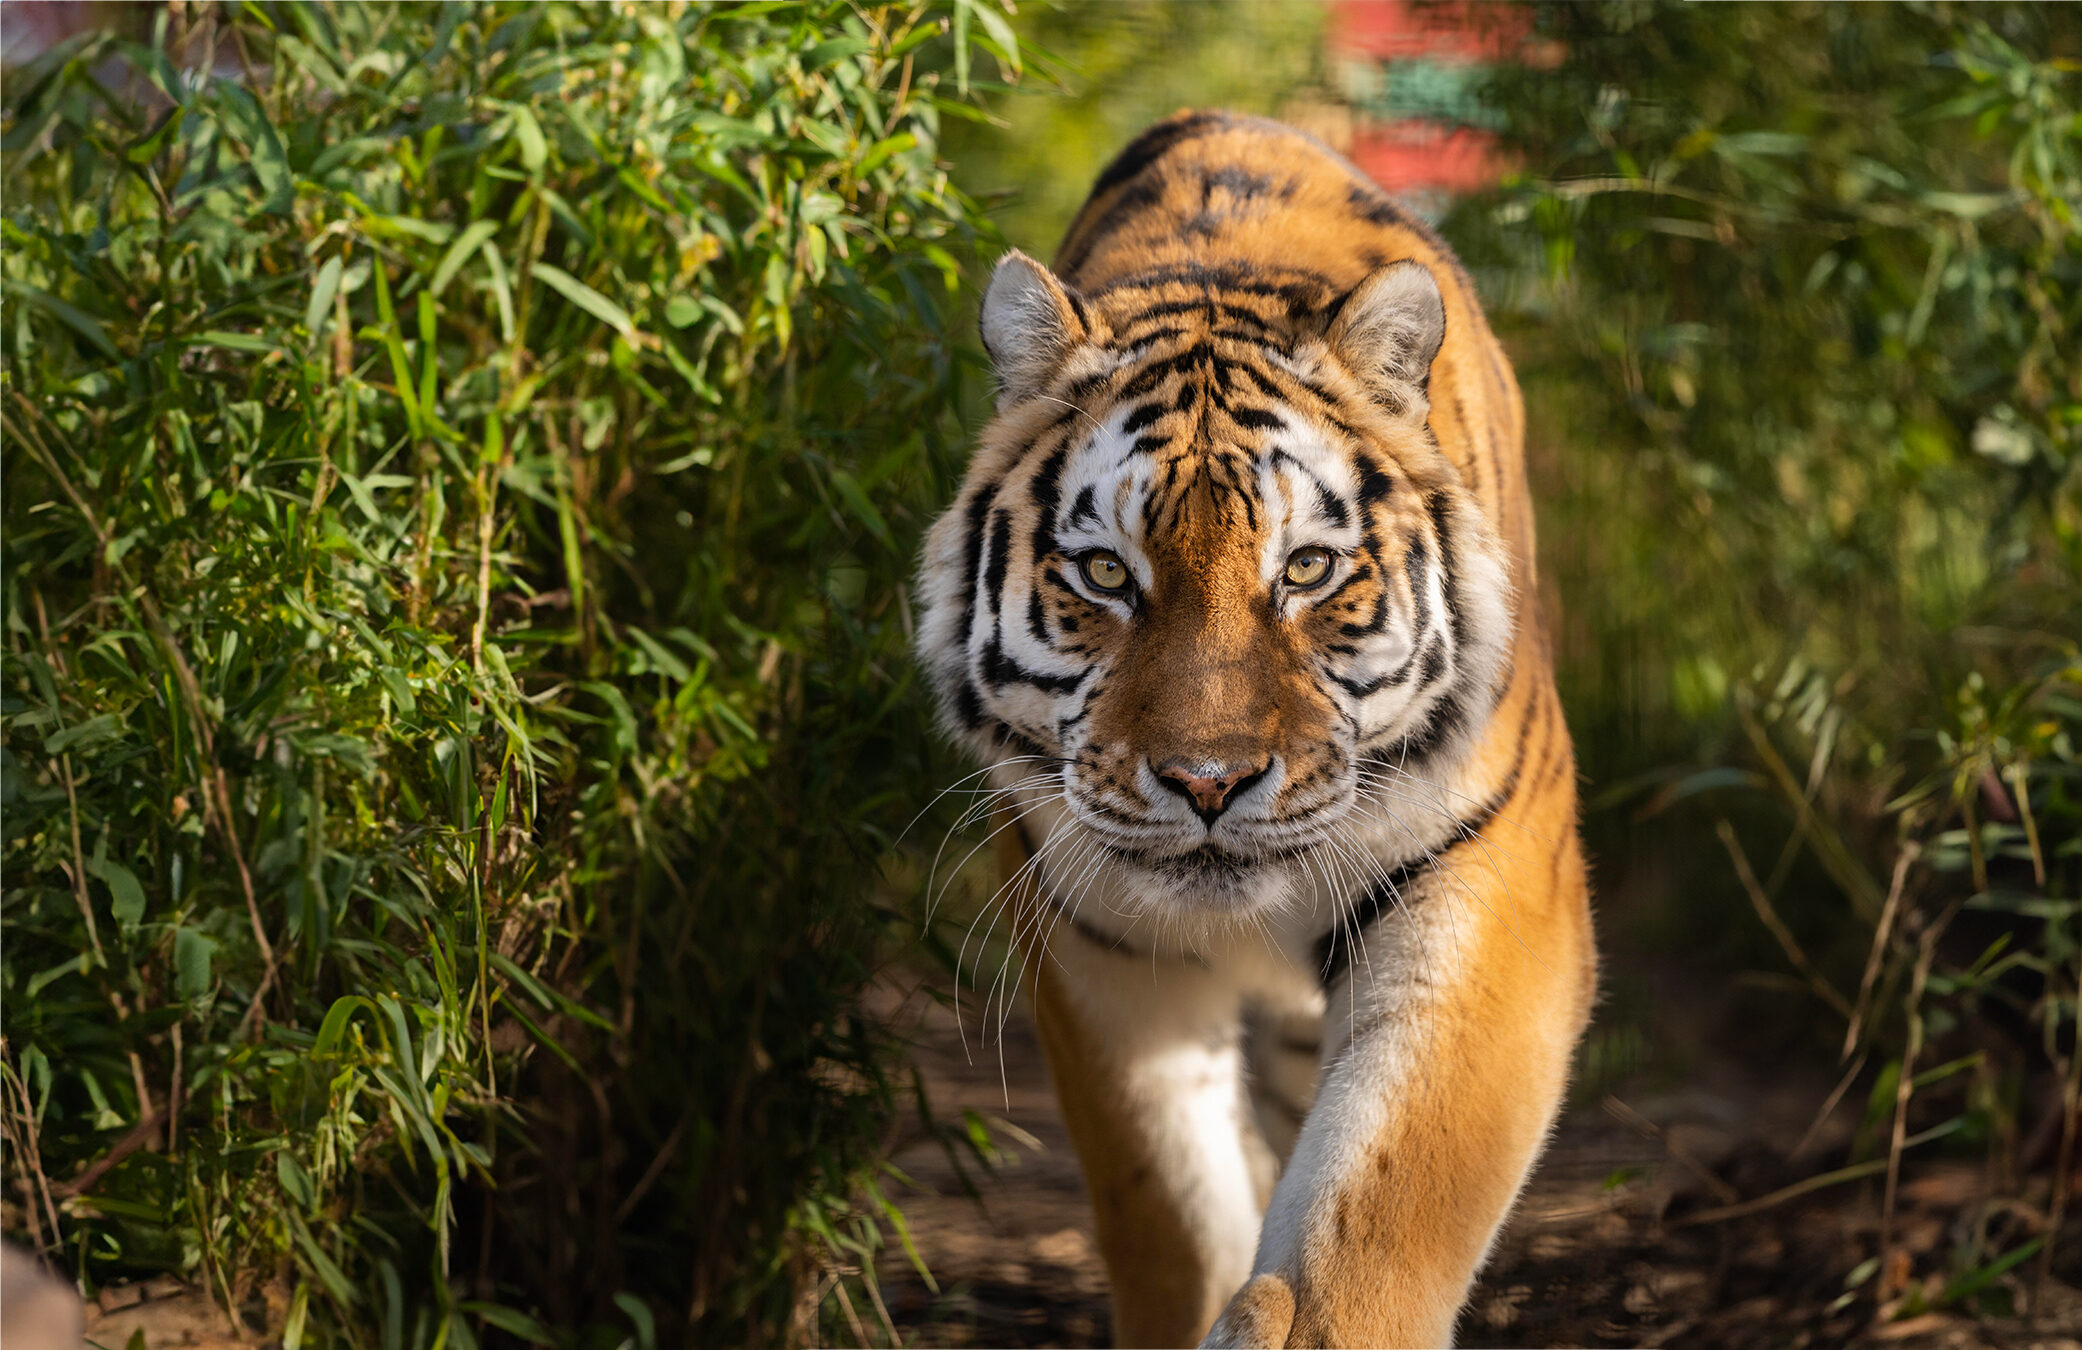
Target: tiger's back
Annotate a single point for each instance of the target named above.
(1236, 601)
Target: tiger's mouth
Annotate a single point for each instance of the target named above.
(1208, 863)
(1241, 866)
(1210, 879)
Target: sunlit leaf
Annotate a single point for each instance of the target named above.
(586, 298)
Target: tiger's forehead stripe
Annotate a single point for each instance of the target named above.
(1204, 402)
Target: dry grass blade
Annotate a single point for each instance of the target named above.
(1883, 930)
(1926, 953)
(1762, 904)
(1805, 1186)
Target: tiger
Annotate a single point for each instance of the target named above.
(1236, 604)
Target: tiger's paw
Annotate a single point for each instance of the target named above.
(1260, 1315)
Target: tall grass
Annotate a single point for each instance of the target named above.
(460, 466)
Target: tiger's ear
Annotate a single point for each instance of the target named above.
(1031, 323)
(1387, 332)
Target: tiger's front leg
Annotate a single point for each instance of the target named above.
(1147, 1060)
(1449, 1054)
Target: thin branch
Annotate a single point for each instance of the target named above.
(838, 1286)
(1648, 1129)
(1830, 850)
(874, 1293)
(63, 764)
(2063, 1172)
(1762, 904)
(1843, 1085)
(23, 435)
(191, 693)
(18, 1126)
(651, 1173)
(138, 1136)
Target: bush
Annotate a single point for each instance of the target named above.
(462, 462)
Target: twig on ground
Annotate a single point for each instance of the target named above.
(1642, 1125)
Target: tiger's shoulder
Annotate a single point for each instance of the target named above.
(1245, 190)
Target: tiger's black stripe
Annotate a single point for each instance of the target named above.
(1334, 948)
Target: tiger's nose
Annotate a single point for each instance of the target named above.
(1209, 787)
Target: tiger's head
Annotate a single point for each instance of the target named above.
(1209, 580)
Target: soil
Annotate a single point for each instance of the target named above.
(1656, 1218)
(165, 1313)
(1616, 1242)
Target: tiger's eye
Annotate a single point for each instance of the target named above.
(1307, 566)
(1105, 571)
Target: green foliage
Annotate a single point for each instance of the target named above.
(1798, 291)
(1820, 267)
(1118, 67)
(462, 464)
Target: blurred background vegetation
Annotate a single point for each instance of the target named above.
(1795, 293)
(463, 466)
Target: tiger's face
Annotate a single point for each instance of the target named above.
(1209, 586)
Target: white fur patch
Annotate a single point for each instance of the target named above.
(1390, 330)
(1027, 326)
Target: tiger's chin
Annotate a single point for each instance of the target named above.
(1210, 881)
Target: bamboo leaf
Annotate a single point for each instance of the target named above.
(126, 892)
(466, 243)
(586, 298)
(193, 951)
(323, 292)
(534, 150)
(78, 320)
(249, 123)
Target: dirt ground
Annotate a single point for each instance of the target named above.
(1615, 1243)
(1652, 1221)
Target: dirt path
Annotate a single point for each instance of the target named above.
(1614, 1243)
